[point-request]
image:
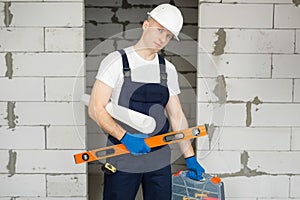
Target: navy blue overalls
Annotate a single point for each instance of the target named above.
(152, 170)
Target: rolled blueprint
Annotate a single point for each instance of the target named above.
(136, 120)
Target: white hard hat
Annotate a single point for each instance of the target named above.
(169, 17)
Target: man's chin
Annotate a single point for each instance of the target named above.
(156, 49)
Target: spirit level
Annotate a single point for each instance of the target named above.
(155, 141)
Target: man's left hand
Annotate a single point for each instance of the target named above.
(195, 170)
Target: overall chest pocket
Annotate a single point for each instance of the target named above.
(151, 93)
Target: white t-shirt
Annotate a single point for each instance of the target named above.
(111, 72)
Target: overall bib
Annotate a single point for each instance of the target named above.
(152, 170)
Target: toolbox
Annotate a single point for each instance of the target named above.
(209, 188)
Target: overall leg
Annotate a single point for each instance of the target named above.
(121, 186)
(157, 185)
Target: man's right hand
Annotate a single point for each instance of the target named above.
(135, 143)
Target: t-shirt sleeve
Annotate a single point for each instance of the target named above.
(110, 69)
(173, 83)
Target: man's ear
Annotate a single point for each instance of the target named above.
(145, 24)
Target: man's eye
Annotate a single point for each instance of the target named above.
(169, 37)
(160, 30)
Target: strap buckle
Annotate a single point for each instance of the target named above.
(163, 76)
(127, 73)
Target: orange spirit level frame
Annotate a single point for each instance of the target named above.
(155, 141)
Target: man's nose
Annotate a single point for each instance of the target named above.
(163, 38)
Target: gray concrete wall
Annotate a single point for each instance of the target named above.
(111, 25)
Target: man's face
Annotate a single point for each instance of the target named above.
(156, 36)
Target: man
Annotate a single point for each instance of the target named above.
(140, 79)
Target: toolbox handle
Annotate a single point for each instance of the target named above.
(206, 177)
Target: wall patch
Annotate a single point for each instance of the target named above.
(9, 65)
(11, 117)
(7, 14)
(220, 43)
(11, 166)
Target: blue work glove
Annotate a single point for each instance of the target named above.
(135, 143)
(195, 170)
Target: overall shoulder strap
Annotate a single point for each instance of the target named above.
(126, 68)
(163, 73)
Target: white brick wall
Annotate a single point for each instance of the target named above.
(236, 15)
(222, 115)
(47, 161)
(254, 65)
(3, 113)
(4, 157)
(297, 90)
(50, 198)
(42, 78)
(64, 89)
(247, 89)
(275, 162)
(23, 185)
(295, 139)
(64, 39)
(295, 181)
(66, 137)
(276, 115)
(256, 1)
(249, 40)
(246, 139)
(44, 64)
(252, 47)
(43, 14)
(21, 39)
(297, 41)
(286, 16)
(220, 161)
(50, 64)
(66, 185)
(2, 21)
(22, 89)
(14, 138)
(37, 113)
(257, 187)
(286, 66)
